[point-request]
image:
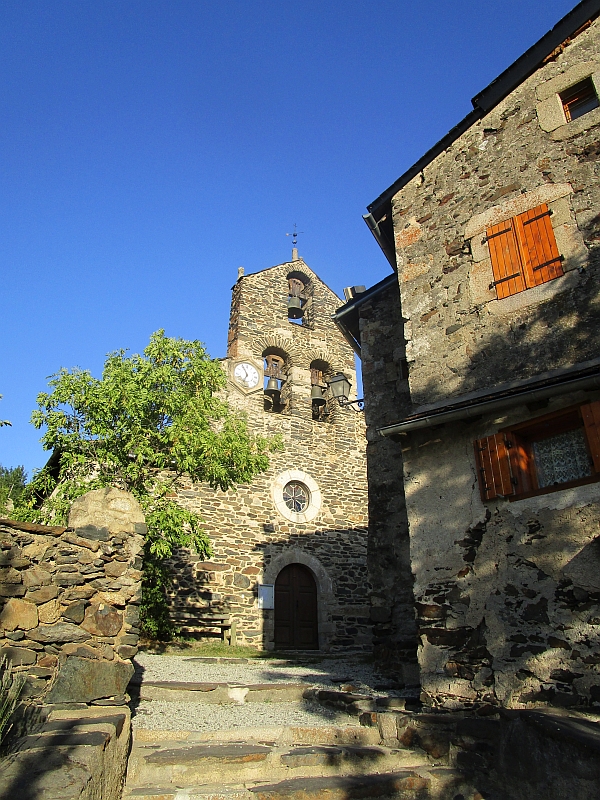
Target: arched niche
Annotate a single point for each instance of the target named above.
(322, 402)
(299, 301)
(275, 369)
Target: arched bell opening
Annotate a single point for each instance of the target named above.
(299, 303)
(275, 377)
(319, 372)
(296, 609)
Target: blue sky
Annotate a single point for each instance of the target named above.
(148, 149)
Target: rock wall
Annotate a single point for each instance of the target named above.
(69, 599)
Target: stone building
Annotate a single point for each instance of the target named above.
(289, 564)
(482, 387)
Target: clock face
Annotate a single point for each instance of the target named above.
(246, 374)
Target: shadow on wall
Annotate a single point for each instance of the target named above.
(507, 594)
(337, 561)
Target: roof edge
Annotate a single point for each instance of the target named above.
(505, 83)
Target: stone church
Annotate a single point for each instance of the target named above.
(289, 564)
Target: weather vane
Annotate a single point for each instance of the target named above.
(294, 236)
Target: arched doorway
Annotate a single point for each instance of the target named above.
(296, 614)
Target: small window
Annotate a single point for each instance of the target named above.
(523, 252)
(296, 496)
(579, 99)
(553, 452)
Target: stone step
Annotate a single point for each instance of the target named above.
(178, 691)
(191, 763)
(277, 734)
(417, 784)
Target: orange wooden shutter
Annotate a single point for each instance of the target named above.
(539, 254)
(519, 456)
(495, 479)
(506, 261)
(591, 421)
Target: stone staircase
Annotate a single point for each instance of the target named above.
(339, 761)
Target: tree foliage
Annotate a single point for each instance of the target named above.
(149, 420)
(12, 485)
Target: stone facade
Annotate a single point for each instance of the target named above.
(69, 599)
(506, 593)
(253, 534)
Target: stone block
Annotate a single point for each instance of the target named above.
(19, 614)
(18, 656)
(75, 611)
(60, 632)
(10, 575)
(82, 680)
(49, 612)
(11, 590)
(102, 620)
(36, 576)
(126, 650)
(550, 113)
(110, 508)
(42, 595)
(93, 532)
(114, 569)
(81, 650)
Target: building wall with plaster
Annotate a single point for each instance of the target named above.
(252, 533)
(506, 593)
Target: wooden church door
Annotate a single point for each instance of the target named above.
(296, 625)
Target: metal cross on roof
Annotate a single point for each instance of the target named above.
(294, 236)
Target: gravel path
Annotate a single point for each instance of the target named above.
(168, 715)
(322, 673)
(162, 715)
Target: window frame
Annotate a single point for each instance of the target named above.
(505, 460)
(573, 93)
(518, 252)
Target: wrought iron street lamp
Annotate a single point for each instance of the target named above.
(340, 389)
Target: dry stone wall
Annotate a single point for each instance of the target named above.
(69, 599)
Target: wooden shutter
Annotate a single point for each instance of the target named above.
(591, 421)
(541, 260)
(506, 260)
(493, 465)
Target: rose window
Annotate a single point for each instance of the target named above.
(296, 496)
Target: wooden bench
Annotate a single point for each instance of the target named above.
(199, 625)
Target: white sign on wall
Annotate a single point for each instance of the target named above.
(266, 595)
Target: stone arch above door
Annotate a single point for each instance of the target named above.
(325, 597)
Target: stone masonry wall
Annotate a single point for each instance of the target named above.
(69, 600)
(506, 592)
(252, 540)
(460, 338)
(390, 577)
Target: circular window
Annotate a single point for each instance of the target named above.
(296, 496)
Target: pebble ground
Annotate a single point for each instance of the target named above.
(322, 673)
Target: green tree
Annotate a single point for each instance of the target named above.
(12, 485)
(150, 419)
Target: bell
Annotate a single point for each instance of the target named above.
(316, 395)
(295, 310)
(272, 390)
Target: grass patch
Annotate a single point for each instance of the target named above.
(192, 647)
